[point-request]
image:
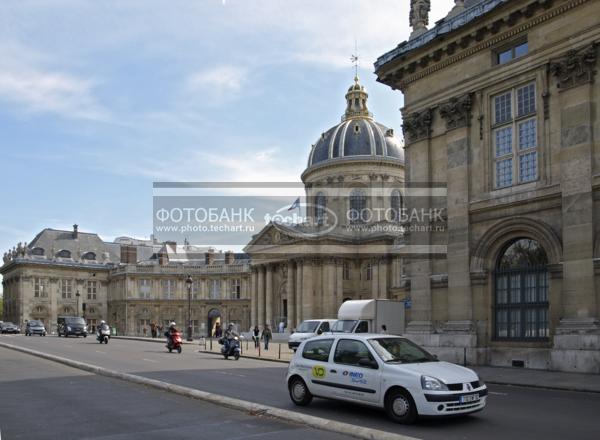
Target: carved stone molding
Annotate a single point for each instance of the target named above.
(577, 67)
(417, 125)
(457, 111)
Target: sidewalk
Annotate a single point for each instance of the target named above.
(555, 380)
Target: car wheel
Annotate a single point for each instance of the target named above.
(170, 350)
(400, 407)
(299, 392)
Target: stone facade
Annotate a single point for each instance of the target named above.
(128, 283)
(501, 105)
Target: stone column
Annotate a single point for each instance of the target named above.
(291, 296)
(253, 298)
(307, 290)
(417, 132)
(383, 278)
(261, 296)
(374, 277)
(339, 284)
(577, 339)
(329, 289)
(269, 295)
(299, 291)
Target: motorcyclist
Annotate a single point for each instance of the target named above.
(100, 326)
(230, 334)
(170, 332)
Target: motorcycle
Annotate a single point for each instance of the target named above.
(103, 334)
(232, 348)
(174, 342)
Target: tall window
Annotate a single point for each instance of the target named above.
(521, 292)
(196, 288)
(215, 289)
(145, 288)
(40, 288)
(515, 137)
(358, 204)
(236, 288)
(66, 288)
(369, 272)
(396, 205)
(346, 271)
(168, 289)
(91, 289)
(320, 208)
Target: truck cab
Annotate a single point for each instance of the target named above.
(370, 316)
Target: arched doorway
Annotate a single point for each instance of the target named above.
(521, 292)
(214, 318)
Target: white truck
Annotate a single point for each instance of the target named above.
(369, 316)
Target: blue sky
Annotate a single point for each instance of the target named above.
(98, 99)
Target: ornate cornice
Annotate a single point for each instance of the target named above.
(403, 77)
(417, 125)
(457, 112)
(576, 67)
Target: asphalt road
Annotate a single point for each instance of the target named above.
(512, 412)
(46, 400)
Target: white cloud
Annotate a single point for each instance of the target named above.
(221, 82)
(42, 90)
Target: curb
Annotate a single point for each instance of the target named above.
(253, 409)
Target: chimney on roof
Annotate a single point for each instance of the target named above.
(229, 257)
(209, 257)
(128, 254)
(75, 231)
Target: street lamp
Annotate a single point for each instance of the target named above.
(77, 295)
(189, 283)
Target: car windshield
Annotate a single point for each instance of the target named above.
(75, 321)
(36, 323)
(8, 323)
(345, 326)
(400, 350)
(307, 327)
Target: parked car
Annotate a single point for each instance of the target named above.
(9, 327)
(307, 329)
(384, 371)
(35, 328)
(71, 326)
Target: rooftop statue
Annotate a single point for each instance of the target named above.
(419, 16)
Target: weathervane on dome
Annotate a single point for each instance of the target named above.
(354, 60)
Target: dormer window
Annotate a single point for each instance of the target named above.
(64, 254)
(515, 51)
(89, 256)
(38, 251)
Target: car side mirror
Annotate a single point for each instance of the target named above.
(319, 332)
(367, 363)
(435, 356)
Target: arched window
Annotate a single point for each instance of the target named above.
(396, 205)
(89, 256)
(358, 204)
(320, 208)
(64, 254)
(521, 292)
(369, 272)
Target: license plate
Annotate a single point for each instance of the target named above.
(469, 398)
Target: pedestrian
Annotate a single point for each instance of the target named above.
(153, 329)
(267, 335)
(256, 336)
(218, 330)
(145, 330)
(384, 329)
(281, 327)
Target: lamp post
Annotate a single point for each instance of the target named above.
(77, 295)
(189, 283)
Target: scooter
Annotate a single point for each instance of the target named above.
(103, 335)
(174, 342)
(233, 349)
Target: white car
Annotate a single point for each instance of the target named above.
(307, 329)
(389, 372)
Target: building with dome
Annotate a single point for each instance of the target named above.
(350, 243)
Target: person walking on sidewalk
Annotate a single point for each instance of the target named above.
(256, 336)
(266, 336)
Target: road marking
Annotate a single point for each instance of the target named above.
(149, 360)
(498, 394)
(230, 374)
(98, 351)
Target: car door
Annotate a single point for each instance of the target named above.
(349, 374)
(313, 365)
